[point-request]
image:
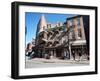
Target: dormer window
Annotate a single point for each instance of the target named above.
(43, 27)
(48, 25)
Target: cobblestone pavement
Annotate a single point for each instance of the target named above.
(41, 62)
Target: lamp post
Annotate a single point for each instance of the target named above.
(69, 46)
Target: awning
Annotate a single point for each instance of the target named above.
(78, 42)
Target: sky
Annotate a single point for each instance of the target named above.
(32, 19)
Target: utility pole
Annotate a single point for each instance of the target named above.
(69, 46)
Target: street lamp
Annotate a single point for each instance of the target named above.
(69, 46)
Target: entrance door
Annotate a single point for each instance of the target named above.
(58, 52)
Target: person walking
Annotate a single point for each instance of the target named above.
(80, 54)
(73, 54)
(68, 55)
(65, 54)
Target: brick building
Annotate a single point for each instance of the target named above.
(60, 39)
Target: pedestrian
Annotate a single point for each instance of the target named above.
(73, 54)
(68, 55)
(80, 54)
(64, 54)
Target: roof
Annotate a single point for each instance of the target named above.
(74, 17)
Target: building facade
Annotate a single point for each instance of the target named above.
(60, 39)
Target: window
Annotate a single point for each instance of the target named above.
(72, 34)
(79, 33)
(78, 22)
(71, 22)
(43, 27)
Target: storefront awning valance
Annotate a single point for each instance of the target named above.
(78, 42)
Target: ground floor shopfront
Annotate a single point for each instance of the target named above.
(60, 52)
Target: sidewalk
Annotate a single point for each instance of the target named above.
(55, 60)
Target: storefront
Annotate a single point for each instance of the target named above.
(80, 48)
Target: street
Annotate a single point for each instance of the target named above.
(41, 62)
